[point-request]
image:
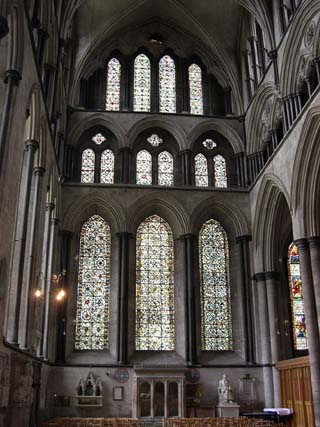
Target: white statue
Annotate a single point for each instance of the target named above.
(224, 390)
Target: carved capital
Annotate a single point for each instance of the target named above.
(12, 75)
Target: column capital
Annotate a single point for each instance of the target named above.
(302, 243)
(4, 27)
(124, 149)
(12, 75)
(32, 143)
(124, 234)
(187, 236)
(39, 170)
(272, 275)
(314, 241)
(54, 221)
(260, 277)
(49, 206)
(186, 151)
(244, 238)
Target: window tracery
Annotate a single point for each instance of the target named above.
(113, 85)
(216, 327)
(92, 318)
(195, 89)
(142, 83)
(165, 168)
(167, 85)
(154, 286)
(144, 168)
(201, 171)
(87, 166)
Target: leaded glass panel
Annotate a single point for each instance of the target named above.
(201, 171)
(142, 83)
(209, 144)
(87, 166)
(92, 318)
(155, 140)
(195, 89)
(300, 338)
(107, 167)
(98, 138)
(113, 85)
(167, 84)
(220, 172)
(216, 325)
(144, 168)
(165, 169)
(154, 286)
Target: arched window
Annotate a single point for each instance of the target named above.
(201, 171)
(144, 168)
(167, 85)
(107, 167)
(142, 83)
(296, 297)
(154, 285)
(220, 171)
(165, 168)
(87, 166)
(216, 327)
(92, 319)
(113, 85)
(195, 89)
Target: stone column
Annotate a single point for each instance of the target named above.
(254, 54)
(47, 295)
(273, 284)
(247, 72)
(314, 244)
(38, 174)
(124, 171)
(265, 345)
(123, 259)
(20, 245)
(186, 156)
(312, 323)
(273, 55)
(243, 242)
(227, 100)
(11, 79)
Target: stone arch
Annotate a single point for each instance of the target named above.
(306, 176)
(272, 198)
(98, 119)
(160, 204)
(95, 204)
(213, 124)
(160, 122)
(299, 25)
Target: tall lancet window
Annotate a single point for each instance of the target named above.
(165, 168)
(195, 89)
(107, 167)
(296, 296)
(167, 84)
(220, 172)
(216, 326)
(154, 285)
(87, 166)
(142, 83)
(113, 85)
(201, 171)
(92, 319)
(144, 168)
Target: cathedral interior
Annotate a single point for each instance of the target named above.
(159, 210)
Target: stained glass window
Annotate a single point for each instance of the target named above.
(155, 286)
(296, 296)
(220, 172)
(144, 168)
(201, 171)
(107, 167)
(167, 84)
(87, 166)
(165, 169)
(155, 140)
(92, 318)
(216, 328)
(113, 85)
(209, 144)
(142, 83)
(195, 89)
(98, 139)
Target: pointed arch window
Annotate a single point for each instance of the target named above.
(167, 84)
(201, 171)
(142, 83)
(300, 338)
(92, 318)
(144, 168)
(220, 171)
(87, 166)
(216, 326)
(113, 85)
(195, 89)
(107, 167)
(165, 168)
(154, 285)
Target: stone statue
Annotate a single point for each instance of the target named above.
(224, 390)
